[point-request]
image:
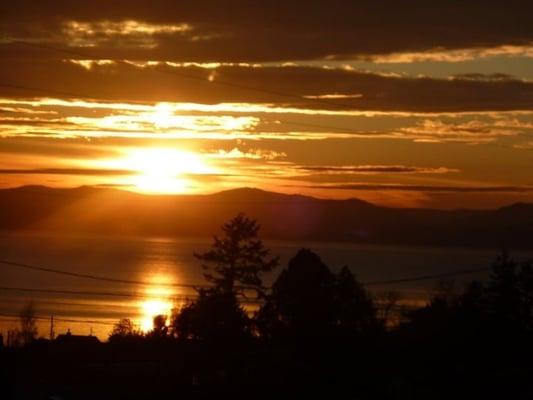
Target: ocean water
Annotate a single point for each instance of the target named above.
(160, 262)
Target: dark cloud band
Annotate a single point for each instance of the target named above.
(287, 86)
(273, 30)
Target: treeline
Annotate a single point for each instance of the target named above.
(317, 329)
(307, 300)
(313, 333)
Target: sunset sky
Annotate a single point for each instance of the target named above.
(427, 105)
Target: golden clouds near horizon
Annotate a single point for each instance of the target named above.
(49, 118)
(137, 33)
(161, 120)
(192, 148)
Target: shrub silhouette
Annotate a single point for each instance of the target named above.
(501, 309)
(125, 332)
(213, 316)
(123, 327)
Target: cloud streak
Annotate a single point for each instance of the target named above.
(374, 169)
(425, 188)
(289, 87)
(56, 118)
(68, 171)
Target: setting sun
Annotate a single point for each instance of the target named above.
(162, 170)
(152, 308)
(381, 149)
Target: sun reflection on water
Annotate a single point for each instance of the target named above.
(159, 301)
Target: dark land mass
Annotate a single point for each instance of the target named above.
(318, 334)
(285, 217)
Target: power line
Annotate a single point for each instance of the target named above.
(84, 56)
(427, 277)
(194, 77)
(109, 294)
(113, 280)
(189, 76)
(321, 127)
(81, 95)
(98, 277)
(196, 286)
(200, 78)
(88, 293)
(41, 317)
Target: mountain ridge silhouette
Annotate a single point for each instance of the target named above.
(112, 211)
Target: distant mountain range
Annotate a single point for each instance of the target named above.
(114, 212)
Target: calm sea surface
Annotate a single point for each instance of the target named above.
(160, 262)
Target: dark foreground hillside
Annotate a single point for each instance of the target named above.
(316, 334)
(389, 368)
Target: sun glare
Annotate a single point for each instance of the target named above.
(152, 308)
(158, 301)
(163, 170)
(162, 116)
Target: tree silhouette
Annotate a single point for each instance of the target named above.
(124, 327)
(238, 258)
(308, 300)
(510, 293)
(525, 279)
(355, 309)
(502, 307)
(124, 331)
(302, 302)
(214, 316)
(234, 264)
(388, 301)
(306, 294)
(503, 289)
(28, 325)
(434, 320)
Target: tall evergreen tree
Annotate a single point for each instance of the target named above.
(238, 258)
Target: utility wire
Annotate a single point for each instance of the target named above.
(88, 293)
(109, 294)
(192, 76)
(98, 277)
(428, 277)
(323, 128)
(80, 95)
(189, 76)
(200, 78)
(195, 286)
(41, 317)
(85, 56)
